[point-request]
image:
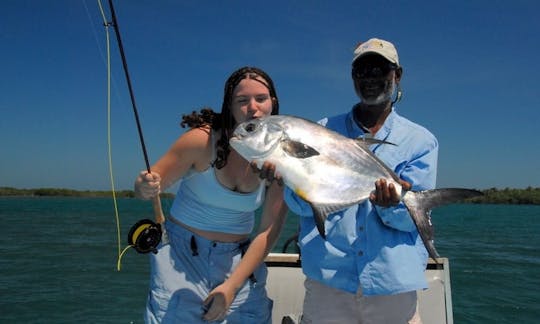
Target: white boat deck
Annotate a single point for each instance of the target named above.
(286, 288)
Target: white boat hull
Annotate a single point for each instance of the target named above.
(286, 287)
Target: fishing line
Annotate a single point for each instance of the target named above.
(109, 142)
(145, 235)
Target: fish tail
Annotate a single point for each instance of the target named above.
(420, 203)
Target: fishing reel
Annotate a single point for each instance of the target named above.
(145, 236)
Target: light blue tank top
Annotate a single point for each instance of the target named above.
(202, 202)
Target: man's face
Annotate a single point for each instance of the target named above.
(375, 79)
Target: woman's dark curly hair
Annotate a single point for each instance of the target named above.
(224, 121)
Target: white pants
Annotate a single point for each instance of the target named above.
(324, 304)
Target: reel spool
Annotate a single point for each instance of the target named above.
(145, 236)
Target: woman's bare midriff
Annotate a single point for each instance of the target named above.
(214, 236)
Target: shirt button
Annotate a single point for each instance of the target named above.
(361, 228)
(360, 253)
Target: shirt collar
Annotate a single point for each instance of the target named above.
(354, 130)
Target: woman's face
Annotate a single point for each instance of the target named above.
(251, 99)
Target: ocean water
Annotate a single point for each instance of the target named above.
(58, 261)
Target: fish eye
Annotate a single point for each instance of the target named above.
(250, 127)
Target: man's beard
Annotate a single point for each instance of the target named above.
(384, 96)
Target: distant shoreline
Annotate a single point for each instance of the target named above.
(528, 196)
(61, 192)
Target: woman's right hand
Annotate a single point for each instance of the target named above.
(147, 185)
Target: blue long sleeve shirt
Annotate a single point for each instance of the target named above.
(370, 247)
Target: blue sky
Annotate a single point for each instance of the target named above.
(470, 76)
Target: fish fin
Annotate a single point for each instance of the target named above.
(420, 203)
(320, 218)
(366, 141)
(298, 149)
(363, 145)
(321, 212)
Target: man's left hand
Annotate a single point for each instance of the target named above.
(385, 194)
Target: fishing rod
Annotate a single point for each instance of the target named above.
(145, 235)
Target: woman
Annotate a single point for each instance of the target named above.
(208, 270)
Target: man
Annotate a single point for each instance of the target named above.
(373, 260)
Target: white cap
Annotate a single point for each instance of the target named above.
(377, 46)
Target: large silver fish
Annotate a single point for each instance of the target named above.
(332, 172)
